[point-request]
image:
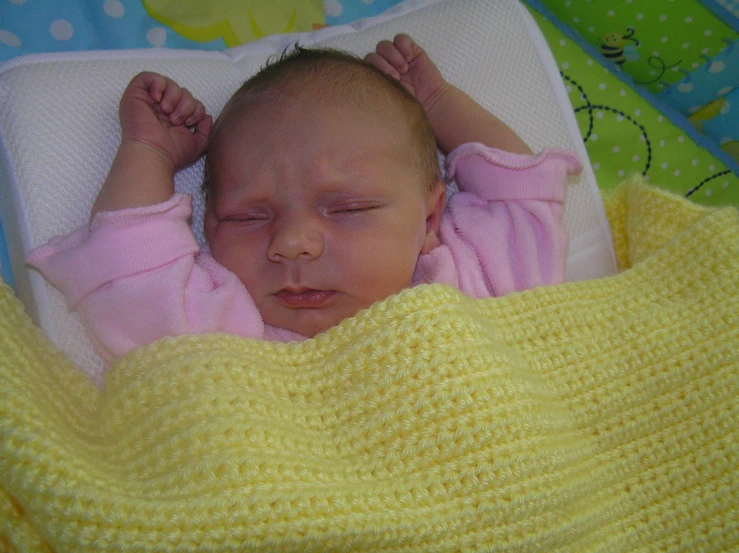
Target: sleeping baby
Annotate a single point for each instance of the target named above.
(324, 195)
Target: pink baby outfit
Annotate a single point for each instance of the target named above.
(137, 275)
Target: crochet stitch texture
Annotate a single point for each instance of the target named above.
(590, 416)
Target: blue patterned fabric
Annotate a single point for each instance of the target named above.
(33, 26)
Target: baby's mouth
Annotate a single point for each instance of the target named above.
(305, 298)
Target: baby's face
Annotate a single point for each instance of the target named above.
(318, 210)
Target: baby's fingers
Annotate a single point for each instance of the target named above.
(196, 115)
(171, 97)
(185, 108)
(406, 46)
(382, 64)
(392, 55)
(201, 131)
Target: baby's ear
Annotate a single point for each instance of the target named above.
(435, 204)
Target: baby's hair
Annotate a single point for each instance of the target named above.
(336, 76)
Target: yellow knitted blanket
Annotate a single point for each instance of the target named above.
(592, 416)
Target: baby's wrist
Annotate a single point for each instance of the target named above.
(437, 97)
(140, 149)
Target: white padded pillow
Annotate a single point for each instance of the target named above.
(58, 122)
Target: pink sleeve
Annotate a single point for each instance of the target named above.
(137, 275)
(504, 229)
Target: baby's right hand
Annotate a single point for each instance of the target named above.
(156, 111)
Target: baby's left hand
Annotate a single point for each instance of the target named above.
(406, 62)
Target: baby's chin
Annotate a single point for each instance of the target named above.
(306, 322)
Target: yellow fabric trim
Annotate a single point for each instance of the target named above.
(590, 416)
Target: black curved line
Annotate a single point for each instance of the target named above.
(587, 106)
(704, 181)
(643, 132)
(662, 67)
(641, 128)
(590, 107)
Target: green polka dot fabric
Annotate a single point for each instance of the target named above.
(654, 41)
(624, 133)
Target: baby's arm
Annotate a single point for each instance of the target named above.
(455, 117)
(163, 129)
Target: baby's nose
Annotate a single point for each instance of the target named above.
(295, 238)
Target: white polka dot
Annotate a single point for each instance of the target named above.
(675, 69)
(677, 172)
(725, 108)
(664, 165)
(648, 178)
(616, 149)
(642, 138)
(693, 109)
(660, 118)
(113, 8)
(694, 163)
(611, 13)
(637, 112)
(576, 20)
(568, 88)
(591, 29)
(681, 139)
(333, 8)
(688, 19)
(622, 92)
(589, 62)
(704, 51)
(61, 29)
(635, 158)
(662, 143)
(725, 184)
(602, 86)
(686, 45)
(619, 118)
(596, 166)
(707, 32)
(562, 42)
(716, 67)
(640, 16)
(694, 65)
(711, 167)
(664, 39)
(708, 192)
(156, 36)
(621, 173)
(568, 3)
(599, 115)
(663, 17)
(652, 72)
(724, 91)
(725, 140)
(629, 1)
(565, 65)
(593, 137)
(655, 53)
(9, 39)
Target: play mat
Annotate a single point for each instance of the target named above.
(654, 83)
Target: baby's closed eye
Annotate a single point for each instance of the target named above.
(352, 209)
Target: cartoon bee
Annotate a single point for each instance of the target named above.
(615, 49)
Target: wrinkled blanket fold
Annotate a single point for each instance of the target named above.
(591, 416)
